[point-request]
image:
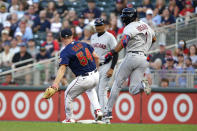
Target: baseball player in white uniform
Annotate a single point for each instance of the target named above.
(137, 38)
(103, 42)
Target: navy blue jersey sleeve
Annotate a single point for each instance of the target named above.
(64, 59)
(91, 49)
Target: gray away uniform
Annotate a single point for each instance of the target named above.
(102, 45)
(135, 61)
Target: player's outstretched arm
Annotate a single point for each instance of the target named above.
(51, 90)
(59, 75)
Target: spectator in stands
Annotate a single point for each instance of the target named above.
(14, 47)
(187, 10)
(113, 28)
(6, 56)
(149, 19)
(167, 19)
(21, 10)
(182, 44)
(180, 63)
(161, 54)
(173, 8)
(88, 31)
(169, 65)
(51, 10)
(14, 23)
(92, 8)
(188, 65)
(164, 83)
(30, 15)
(13, 6)
(18, 37)
(32, 48)
(178, 50)
(4, 3)
(5, 35)
(41, 24)
(9, 81)
(144, 7)
(182, 73)
(25, 30)
(156, 17)
(56, 25)
(22, 55)
(81, 21)
(3, 13)
(119, 7)
(6, 26)
(75, 37)
(37, 7)
(43, 55)
(65, 24)
(71, 16)
(51, 45)
(193, 55)
(61, 8)
(160, 5)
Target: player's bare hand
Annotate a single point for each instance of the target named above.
(110, 73)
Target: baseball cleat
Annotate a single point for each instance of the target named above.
(146, 86)
(68, 121)
(98, 115)
(108, 115)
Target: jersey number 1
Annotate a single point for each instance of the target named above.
(83, 59)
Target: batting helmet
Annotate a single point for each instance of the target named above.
(128, 15)
(99, 22)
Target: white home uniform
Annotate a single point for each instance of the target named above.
(135, 61)
(103, 44)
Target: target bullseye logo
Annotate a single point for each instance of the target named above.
(3, 104)
(157, 107)
(183, 108)
(20, 105)
(78, 107)
(43, 107)
(125, 107)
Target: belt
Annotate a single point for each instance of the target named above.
(88, 73)
(102, 63)
(137, 52)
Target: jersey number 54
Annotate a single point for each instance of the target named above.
(83, 59)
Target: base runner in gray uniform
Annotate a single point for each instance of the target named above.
(137, 38)
(102, 42)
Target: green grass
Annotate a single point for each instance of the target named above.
(53, 126)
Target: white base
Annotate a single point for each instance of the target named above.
(90, 122)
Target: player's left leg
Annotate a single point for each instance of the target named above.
(121, 75)
(138, 81)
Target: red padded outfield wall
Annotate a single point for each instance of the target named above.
(158, 107)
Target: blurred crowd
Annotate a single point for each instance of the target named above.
(172, 66)
(29, 30)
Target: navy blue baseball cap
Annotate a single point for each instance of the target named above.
(99, 22)
(65, 33)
